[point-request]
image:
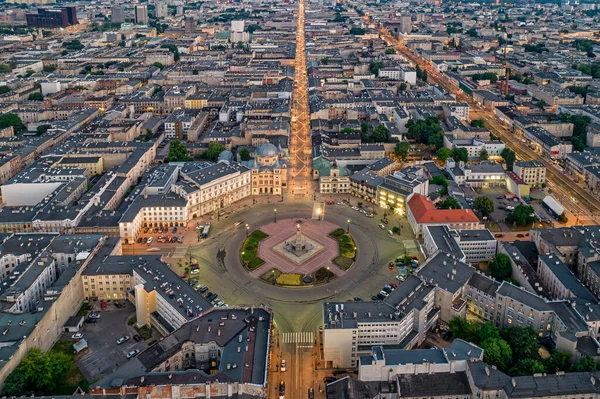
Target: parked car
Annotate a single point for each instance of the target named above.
(139, 240)
(520, 235)
(498, 235)
(174, 230)
(357, 299)
(133, 353)
(374, 298)
(329, 379)
(380, 297)
(391, 266)
(283, 366)
(394, 286)
(123, 339)
(103, 305)
(208, 294)
(77, 336)
(91, 320)
(355, 208)
(400, 278)
(150, 239)
(382, 226)
(203, 290)
(137, 338)
(311, 393)
(95, 316)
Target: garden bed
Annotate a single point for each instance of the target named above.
(347, 248)
(287, 279)
(249, 250)
(323, 275)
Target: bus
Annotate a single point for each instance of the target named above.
(205, 230)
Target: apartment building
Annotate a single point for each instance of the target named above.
(398, 188)
(532, 172)
(421, 212)
(210, 188)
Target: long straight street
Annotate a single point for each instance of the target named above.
(300, 140)
(576, 199)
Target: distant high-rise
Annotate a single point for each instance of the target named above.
(190, 26)
(405, 24)
(237, 26)
(180, 10)
(141, 15)
(117, 15)
(52, 18)
(161, 10)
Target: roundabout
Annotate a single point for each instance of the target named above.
(224, 271)
(298, 252)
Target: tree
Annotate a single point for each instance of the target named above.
(364, 127)
(213, 151)
(41, 129)
(390, 50)
(38, 373)
(440, 181)
(403, 86)
(172, 48)
(374, 67)
(483, 155)
(523, 341)
(37, 96)
(462, 329)
(509, 158)
(527, 367)
(460, 154)
(13, 120)
(484, 205)
(558, 361)
(522, 215)
(178, 152)
(450, 203)
(500, 268)
(159, 65)
(586, 363)
(244, 154)
(381, 134)
(4, 89)
(497, 353)
(478, 123)
(485, 331)
(401, 149)
(491, 76)
(443, 154)
(5, 68)
(426, 131)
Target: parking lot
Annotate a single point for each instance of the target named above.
(104, 355)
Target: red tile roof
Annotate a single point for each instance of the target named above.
(425, 212)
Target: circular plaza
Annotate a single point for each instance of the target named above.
(297, 252)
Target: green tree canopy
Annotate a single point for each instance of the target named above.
(497, 353)
(443, 154)
(483, 155)
(460, 154)
(41, 129)
(13, 120)
(462, 329)
(491, 76)
(5, 68)
(374, 67)
(381, 134)
(390, 50)
(178, 152)
(426, 131)
(38, 373)
(478, 123)
(244, 154)
(450, 203)
(586, 363)
(37, 96)
(213, 151)
(401, 149)
(522, 340)
(522, 215)
(158, 65)
(4, 89)
(484, 205)
(509, 158)
(500, 268)
(527, 367)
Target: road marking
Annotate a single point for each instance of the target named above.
(298, 338)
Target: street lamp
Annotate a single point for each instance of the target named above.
(348, 227)
(247, 229)
(275, 215)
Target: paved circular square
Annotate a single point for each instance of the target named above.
(315, 233)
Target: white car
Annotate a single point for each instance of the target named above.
(355, 208)
(77, 336)
(133, 353)
(123, 339)
(150, 239)
(382, 226)
(382, 292)
(283, 366)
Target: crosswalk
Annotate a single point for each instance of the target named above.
(298, 338)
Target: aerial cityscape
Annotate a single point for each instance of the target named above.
(300, 199)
